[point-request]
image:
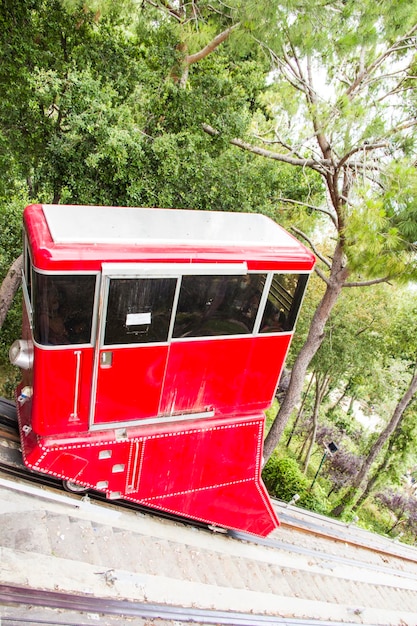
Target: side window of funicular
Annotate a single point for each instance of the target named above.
(63, 308)
(139, 310)
(218, 305)
(284, 300)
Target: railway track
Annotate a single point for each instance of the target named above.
(114, 562)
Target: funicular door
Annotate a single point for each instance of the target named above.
(132, 348)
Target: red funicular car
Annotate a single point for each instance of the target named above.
(153, 340)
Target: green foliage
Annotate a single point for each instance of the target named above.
(400, 198)
(315, 500)
(343, 421)
(11, 235)
(372, 517)
(108, 124)
(382, 223)
(283, 479)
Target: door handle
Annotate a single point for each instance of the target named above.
(74, 415)
(106, 359)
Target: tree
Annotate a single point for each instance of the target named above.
(342, 467)
(402, 506)
(92, 114)
(339, 106)
(401, 343)
(382, 439)
(398, 457)
(321, 386)
(9, 287)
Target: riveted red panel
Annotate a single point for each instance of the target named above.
(130, 389)
(61, 397)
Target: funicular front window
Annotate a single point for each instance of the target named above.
(139, 310)
(218, 305)
(284, 300)
(63, 308)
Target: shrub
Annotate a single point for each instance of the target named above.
(283, 478)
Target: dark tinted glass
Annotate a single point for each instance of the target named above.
(139, 310)
(218, 305)
(284, 300)
(63, 308)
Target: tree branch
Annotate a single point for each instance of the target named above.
(310, 206)
(364, 147)
(214, 43)
(367, 71)
(164, 4)
(284, 158)
(312, 246)
(321, 275)
(401, 87)
(367, 283)
(9, 287)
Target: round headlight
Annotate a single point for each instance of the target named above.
(21, 354)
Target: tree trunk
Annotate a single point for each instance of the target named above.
(321, 386)
(351, 403)
(299, 413)
(340, 398)
(314, 340)
(382, 468)
(370, 485)
(378, 445)
(9, 287)
(397, 523)
(304, 446)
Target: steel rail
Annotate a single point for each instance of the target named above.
(319, 555)
(313, 523)
(11, 594)
(371, 542)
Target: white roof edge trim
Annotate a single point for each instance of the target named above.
(173, 269)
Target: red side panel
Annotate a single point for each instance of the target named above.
(245, 507)
(196, 380)
(130, 388)
(231, 375)
(209, 473)
(61, 399)
(198, 458)
(266, 361)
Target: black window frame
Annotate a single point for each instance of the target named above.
(52, 325)
(116, 329)
(220, 305)
(282, 306)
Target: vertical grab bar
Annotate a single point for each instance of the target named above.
(74, 415)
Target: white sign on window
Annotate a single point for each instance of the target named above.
(138, 319)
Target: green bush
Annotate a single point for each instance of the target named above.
(283, 479)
